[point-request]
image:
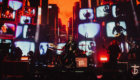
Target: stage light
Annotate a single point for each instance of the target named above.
(25, 58)
(103, 59)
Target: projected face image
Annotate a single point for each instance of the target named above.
(89, 30)
(29, 11)
(15, 4)
(89, 47)
(102, 11)
(116, 29)
(7, 29)
(8, 14)
(25, 20)
(25, 46)
(86, 14)
(59, 47)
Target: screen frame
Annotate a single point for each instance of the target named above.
(24, 14)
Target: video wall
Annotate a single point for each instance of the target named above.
(18, 30)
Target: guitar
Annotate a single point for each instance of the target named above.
(115, 57)
(65, 58)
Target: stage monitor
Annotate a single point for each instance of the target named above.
(86, 13)
(7, 29)
(25, 20)
(8, 14)
(43, 47)
(25, 46)
(87, 47)
(60, 47)
(29, 11)
(15, 4)
(113, 30)
(102, 11)
(89, 30)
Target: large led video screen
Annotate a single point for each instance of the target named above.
(8, 14)
(87, 47)
(7, 29)
(86, 13)
(60, 48)
(25, 46)
(43, 47)
(25, 20)
(114, 30)
(15, 4)
(102, 11)
(89, 30)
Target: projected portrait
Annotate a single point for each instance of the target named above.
(29, 11)
(89, 30)
(25, 46)
(88, 47)
(8, 14)
(7, 29)
(116, 29)
(85, 14)
(102, 11)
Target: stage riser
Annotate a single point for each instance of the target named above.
(15, 68)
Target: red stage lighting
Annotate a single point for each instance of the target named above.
(103, 59)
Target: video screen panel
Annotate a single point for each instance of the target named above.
(115, 31)
(25, 46)
(29, 11)
(29, 31)
(7, 29)
(60, 48)
(8, 14)
(19, 31)
(26, 31)
(87, 47)
(86, 13)
(102, 11)
(89, 30)
(7, 41)
(15, 4)
(25, 20)
(1, 1)
(43, 47)
(117, 11)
